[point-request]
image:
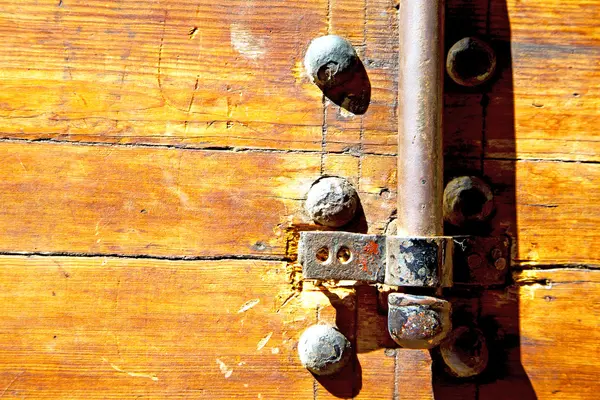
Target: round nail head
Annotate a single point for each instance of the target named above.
(324, 350)
(471, 62)
(331, 201)
(329, 60)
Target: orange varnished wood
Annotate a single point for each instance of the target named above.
(186, 74)
(554, 87)
(109, 79)
(106, 328)
(556, 204)
(164, 202)
(558, 327)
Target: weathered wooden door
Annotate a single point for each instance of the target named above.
(155, 156)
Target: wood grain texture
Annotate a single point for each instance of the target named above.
(227, 77)
(556, 206)
(105, 327)
(205, 75)
(554, 91)
(120, 328)
(558, 325)
(164, 202)
(161, 72)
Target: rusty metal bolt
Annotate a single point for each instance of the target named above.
(498, 258)
(329, 60)
(471, 62)
(331, 201)
(500, 264)
(324, 350)
(418, 322)
(465, 352)
(467, 199)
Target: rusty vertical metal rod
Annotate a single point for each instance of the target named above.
(420, 158)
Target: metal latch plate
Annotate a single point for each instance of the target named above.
(400, 261)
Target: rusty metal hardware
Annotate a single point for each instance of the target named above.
(420, 255)
(324, 350)
(467, 199)
(396, 261)
(465, 352)
(332, 64)
(481, 261)
(471, 62)
(393, 260)
(420, 85)
(329, 60)
(420, 322)
(331, 201)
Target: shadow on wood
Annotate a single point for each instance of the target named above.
(489, 115)
(354, 95)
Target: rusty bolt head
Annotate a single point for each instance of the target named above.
(471, 62)
(329, 60)
(324, 350)
(500, 264)
(467, 199)
(465, 352)
(418, 322)
(331, 201)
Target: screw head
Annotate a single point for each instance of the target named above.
(471, 62)
(467, 199)
(331, 201)
(329, 60)
(324, 350)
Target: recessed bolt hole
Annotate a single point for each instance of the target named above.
(344, 255)
(472, 201)
(322, 254)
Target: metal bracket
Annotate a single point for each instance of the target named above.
(431, 262)
(440, 261)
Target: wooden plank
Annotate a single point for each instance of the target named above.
(197, 75)
(551, 208)
(558, 330)
(185, 74)
(101, 328)
(542, 336)
(104, 327)
(551, 91)
(559, 327)
(163, 202)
